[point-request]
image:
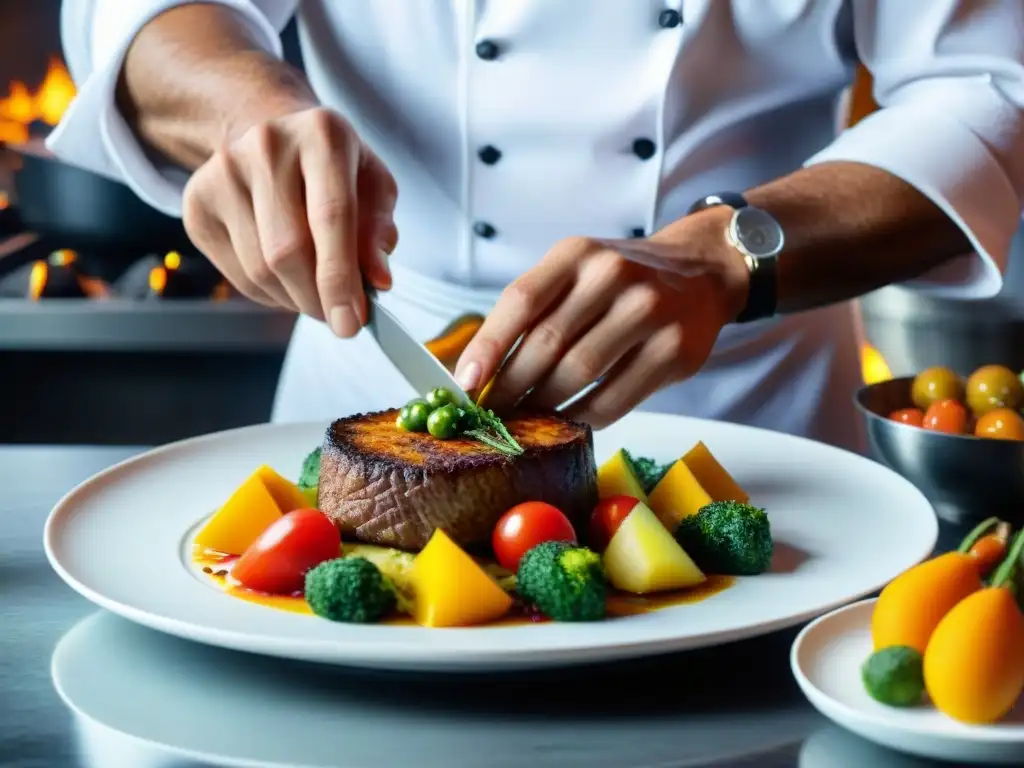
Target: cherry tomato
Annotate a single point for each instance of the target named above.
(1000, 424)
(277, 561)
(991, 387)
(912, 416)
(524, 527)
(948, 416)
(608, 516)
(933, 384)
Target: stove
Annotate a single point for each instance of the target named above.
(128, 348)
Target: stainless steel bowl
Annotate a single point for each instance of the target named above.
(965, 478)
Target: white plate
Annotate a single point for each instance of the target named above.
(843, 526)
(826, 660)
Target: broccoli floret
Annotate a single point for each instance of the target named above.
(310, 476)
(647, 471)
(565, 581)
(309, 479)
(728, 537)
(349, 589)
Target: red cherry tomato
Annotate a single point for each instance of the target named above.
(277, 561)
(608, 516)
(948, 416)
(524, 527)
(912, 416)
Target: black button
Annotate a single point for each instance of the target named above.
(669, 18)
(487, 50)
(637, 232)
(489, 155)
(484, 230)
(644, 149)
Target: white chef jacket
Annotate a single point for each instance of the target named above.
(722, 94)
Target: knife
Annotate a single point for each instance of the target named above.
(413, 360)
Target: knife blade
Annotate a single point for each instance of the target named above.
(414, 361)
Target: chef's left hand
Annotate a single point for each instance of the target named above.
(587, 313)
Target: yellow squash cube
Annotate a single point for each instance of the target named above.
(712, 476)
(451, 589)
(247, 514)
(678, 495)
(642, 556)
(616, 478)
(286, 494)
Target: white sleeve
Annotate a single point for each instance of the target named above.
(949, 77)
(96, 35)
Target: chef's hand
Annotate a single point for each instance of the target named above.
(297, 213)
(586, 313)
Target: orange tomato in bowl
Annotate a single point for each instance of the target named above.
(1000, 424)
(993, 387)
(524, 527)
(911, 416)
(608, 516)
(934, 384)
(949, 416)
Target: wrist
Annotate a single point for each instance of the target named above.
(268, 88)
(704, 236)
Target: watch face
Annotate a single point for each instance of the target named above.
(758, 232)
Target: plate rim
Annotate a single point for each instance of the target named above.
(963, 733)
(405, 655)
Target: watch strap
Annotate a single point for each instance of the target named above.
(763, 295)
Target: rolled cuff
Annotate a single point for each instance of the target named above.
(94, 135)
(952, 167)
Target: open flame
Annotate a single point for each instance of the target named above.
(47, 104)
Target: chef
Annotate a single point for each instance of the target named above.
(478, 156)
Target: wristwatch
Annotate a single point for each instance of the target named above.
(759, 238)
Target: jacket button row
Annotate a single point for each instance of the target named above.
(488, 50)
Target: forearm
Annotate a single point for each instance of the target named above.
(851, 229)
(194, 78)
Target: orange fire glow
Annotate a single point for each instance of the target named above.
(47, 104)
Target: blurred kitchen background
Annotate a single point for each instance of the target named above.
(114, 331)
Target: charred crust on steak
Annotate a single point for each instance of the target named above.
(390, 487)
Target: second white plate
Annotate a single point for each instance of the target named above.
(843, 527)
(826, 660)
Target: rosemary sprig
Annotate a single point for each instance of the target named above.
(482, 424)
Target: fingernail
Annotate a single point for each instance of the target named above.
(382, 261)
(468, 377)
(344, 321)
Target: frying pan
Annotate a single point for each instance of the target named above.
(69, 207)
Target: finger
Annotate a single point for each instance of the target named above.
(241, 259)
(638, 310)
(636, 376)
(520, 305)
(546, 343)
(278, 201)
(377, 194)
(329, 162)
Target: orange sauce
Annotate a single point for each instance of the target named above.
(620, 604)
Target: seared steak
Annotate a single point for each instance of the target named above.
(384, 486)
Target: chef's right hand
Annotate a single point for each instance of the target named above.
(297, 213)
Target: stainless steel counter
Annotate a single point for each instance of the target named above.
(732, 707)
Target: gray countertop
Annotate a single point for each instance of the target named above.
(732, 707)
